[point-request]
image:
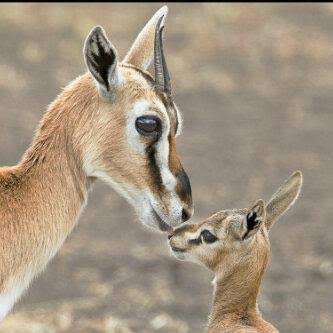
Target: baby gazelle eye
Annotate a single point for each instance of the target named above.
(208, 237)
(148, 125)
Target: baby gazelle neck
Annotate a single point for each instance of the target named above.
(237, 281)
(234, 244)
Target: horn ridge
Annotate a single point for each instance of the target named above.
(166, 75)
(162, 77)
(159, 76)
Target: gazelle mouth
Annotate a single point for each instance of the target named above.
(163, 226)
(177, 249)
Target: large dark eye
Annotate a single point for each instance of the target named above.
(208, 237)
(148, 125)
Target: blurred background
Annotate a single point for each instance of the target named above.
(254, 83)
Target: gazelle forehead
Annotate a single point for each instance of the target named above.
(225, 217)
(149, 107)
(136, 72)
(140, 85)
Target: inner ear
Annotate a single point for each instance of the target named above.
(253, 219)
(101, 58)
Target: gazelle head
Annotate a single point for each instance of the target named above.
(133, 136)
(230, 238)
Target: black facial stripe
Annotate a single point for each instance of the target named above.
(196, 241)
(245, 235)
(154, 170)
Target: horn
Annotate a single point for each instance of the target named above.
(162, 77)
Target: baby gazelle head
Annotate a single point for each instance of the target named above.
(229, 237)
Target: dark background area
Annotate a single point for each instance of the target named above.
(254, 83)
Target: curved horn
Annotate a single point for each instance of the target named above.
(162, 77)
(167, 81)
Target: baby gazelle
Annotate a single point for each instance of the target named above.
(234, 244)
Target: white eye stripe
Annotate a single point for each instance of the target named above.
(162, 160)
(162, 146)
(178, 119)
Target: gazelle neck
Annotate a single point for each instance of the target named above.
(41, 198)
(53, 164)
(235, 295)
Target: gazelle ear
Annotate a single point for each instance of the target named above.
(283, 198)
(101, 59)
(253, 220)
(142, 51)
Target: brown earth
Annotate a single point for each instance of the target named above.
(254, 82)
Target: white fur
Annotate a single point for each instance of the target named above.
(89, 163)
(180, 120)
(8, 299)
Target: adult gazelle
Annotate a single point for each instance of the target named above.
(116, 123)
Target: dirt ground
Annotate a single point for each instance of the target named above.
(254, 83)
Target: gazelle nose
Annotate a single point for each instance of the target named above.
(170, 236)
(185, 215)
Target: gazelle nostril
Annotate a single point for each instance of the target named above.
(185, 215)
(170, 236)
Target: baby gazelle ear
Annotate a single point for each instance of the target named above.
(283, 198)
(141, 53)
(253, 220)
(101, 59)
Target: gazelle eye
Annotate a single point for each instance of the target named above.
(208, 237)
(148, 125)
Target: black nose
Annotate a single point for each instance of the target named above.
(185, 215)
(169, 236)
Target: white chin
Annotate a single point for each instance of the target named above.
(152, 220)
(179, 255)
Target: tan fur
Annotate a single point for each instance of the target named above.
(41, 197)
(238, 258)
(83, 136)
